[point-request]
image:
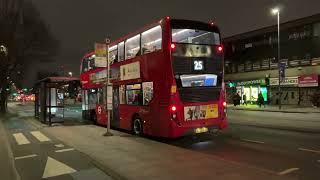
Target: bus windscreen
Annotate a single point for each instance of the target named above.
(194, 36)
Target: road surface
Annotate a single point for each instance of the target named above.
(288, 153)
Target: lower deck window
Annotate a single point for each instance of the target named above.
(137, 95)
(199, 80)
(134, 94)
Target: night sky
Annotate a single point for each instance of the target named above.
(77, 24)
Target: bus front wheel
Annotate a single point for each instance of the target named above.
(137, 127)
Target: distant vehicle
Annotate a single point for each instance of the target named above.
(167, 80)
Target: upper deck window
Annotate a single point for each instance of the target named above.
(194, 36)
(121, 51)
(151, 40)
(132, 47)
(113, 54)
(88, 63)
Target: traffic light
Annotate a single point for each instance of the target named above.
(232, 84)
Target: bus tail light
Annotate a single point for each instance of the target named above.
(224, 104)
(220, 49)
(173, 108)
(173, 46)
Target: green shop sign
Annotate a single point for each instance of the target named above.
(261, 82)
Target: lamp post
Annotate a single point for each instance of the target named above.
(276, 11)
(108, 90)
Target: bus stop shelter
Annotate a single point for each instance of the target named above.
(49, 98)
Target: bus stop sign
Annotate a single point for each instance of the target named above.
(109, 97)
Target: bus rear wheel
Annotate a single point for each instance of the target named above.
(137, 127)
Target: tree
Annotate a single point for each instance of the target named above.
(26, 37)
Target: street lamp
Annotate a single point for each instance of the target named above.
(70, 74)
(276, 11)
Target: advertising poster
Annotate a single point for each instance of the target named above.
(130, 71)
(100, 50)
(200, 112)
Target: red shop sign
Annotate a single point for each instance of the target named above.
(308, 81)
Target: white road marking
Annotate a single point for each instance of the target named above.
(287, 171)
(59, 145)
(56, 168)
(309, 150)
(64, 150)
(21, 139)
(41, 137)
(25, 157)
(253, 141)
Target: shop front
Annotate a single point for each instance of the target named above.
(308, 86)
(289, 91)
(249, 88)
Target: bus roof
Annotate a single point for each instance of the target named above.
(87, 55)
(168, 20)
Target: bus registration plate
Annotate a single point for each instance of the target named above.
(200, 112)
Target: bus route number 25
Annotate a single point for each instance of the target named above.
(198, 65)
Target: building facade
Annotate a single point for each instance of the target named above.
(251, 64)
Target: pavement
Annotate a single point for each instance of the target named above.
(28, 153)
(132, 157)
(275, 108)
(8, 170)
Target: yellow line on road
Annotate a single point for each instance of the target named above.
(287, 171)
(24, 157)
(309, 150)
(41, 137)
(21, 139)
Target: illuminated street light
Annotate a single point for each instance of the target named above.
(276, 11)
(70, 73)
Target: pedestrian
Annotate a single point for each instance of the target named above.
(244, 98)
(315, 99)
(260, 100)
(236, 99)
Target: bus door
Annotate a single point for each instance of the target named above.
(114, 121)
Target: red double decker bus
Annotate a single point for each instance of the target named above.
(167, 80)
(91, 94)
